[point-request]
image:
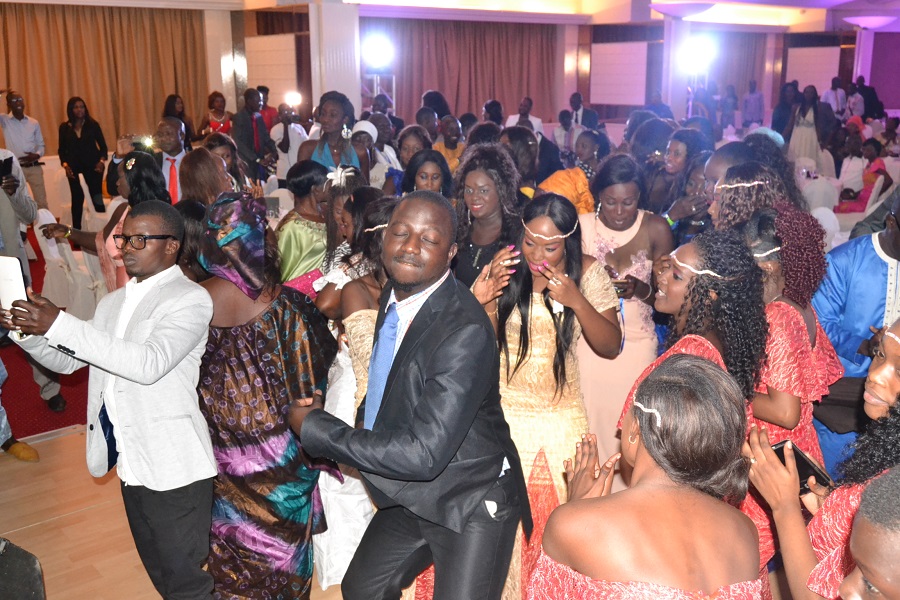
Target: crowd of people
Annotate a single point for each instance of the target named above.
(387, 382)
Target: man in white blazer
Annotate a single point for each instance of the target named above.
(144, 347)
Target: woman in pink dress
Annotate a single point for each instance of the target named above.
(801, 362)
(852, 202)
(684, 433)
(625, 240)
(817, 557)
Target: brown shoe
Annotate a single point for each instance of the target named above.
(23, 452)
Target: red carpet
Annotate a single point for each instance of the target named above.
(28, 413)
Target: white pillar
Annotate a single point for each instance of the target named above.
(862, 64)
(567, 77)
(220, 54)
(334, 50)
(674, 79)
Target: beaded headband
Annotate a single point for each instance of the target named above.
(652, 411)
(561, 236)
(893, 336)
(731, 186)
(694, 270)
(376, 228)
(767, 252)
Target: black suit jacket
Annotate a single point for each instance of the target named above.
(589, 118)
(242, 132)
(438, 443)
(549, 161)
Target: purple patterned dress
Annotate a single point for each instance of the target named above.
(266, 504)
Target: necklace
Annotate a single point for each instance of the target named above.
(478, 250)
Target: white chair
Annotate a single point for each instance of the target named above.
(848, 220)
(829, 222)
(66, 282)
(820, 193)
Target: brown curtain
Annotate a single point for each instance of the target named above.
(470, 63)
(741, 57)
(122, 61)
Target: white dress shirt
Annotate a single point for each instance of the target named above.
(22, 136)
(536, 123)
(286, 160)
(837, 99)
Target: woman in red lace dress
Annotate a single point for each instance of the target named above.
(800, 361)
(712, 288)
(684, 433)
(817, 557)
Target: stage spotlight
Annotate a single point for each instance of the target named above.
(377, 51)
(696, 55)
(293, 99)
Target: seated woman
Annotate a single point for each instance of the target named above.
(853, 202)
(591, 148)
(428, 170)
(410, 141)
(139, 180)
(684, 434)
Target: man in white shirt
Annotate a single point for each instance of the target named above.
(525, 107)
(752, 106)
(836, 97)
(856, 106)
(567, 132)
(25, 140)
(144, 347)
(287, 135)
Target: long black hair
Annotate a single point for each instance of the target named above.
(70, 110)
(356, 205)
(415, 163)
(370, 241)
(517, 295)
(144, 178)
(730, 305)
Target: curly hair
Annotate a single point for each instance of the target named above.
(731, 306)
(495, 161)
(874, 451)
(795, 239)
(518, 294)
(768, 152)
(746, 188)
(700, 430)
(213, 96)
(483, 133)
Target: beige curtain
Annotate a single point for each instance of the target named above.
(742, 57)
(470, 63)
(122, 61)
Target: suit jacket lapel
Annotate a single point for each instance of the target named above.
(420, 324)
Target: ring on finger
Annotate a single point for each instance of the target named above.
(752, 460)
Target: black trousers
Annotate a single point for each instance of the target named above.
(94, 182)
(171, 532)
(397, 546)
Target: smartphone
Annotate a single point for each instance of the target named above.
(6, 167)
(273, 207)
(806, 467)
(619, 285)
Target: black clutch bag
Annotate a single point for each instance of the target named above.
(112, 455)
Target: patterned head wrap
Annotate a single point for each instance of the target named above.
(234, 245)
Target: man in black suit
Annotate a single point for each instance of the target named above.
(169, 139)
(382, 103)
(431, 441)
(581, 115)
(251, 135)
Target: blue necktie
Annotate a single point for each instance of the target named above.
(380, 365)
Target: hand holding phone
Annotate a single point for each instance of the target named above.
(6, 167)
(806, 468)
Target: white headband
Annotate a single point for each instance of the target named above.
(767, 252)
(652, 411)
(376, 228)
(694, 270)
(893, 336)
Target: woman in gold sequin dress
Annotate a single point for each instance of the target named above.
(560, 295)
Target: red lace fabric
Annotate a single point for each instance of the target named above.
(793, 366)
(689, 344)
(554, 581)
(829, 532)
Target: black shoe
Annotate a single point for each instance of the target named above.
(57, 403)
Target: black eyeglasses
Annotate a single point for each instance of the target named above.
(138, 242)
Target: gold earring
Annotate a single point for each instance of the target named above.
(632, 439)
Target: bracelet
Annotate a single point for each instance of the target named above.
(668, 220)
(68, 232)
(649, 293)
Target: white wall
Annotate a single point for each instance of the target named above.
(272, 61)
(813, 66)
(619, 73)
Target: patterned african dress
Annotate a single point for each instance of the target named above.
(266, 504)
(796, 367)
(554, 581)
(544, 426)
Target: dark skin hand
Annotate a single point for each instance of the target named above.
(584, 475)
(10, 185)
(301, 407)
(33, 317)
(29, 157)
